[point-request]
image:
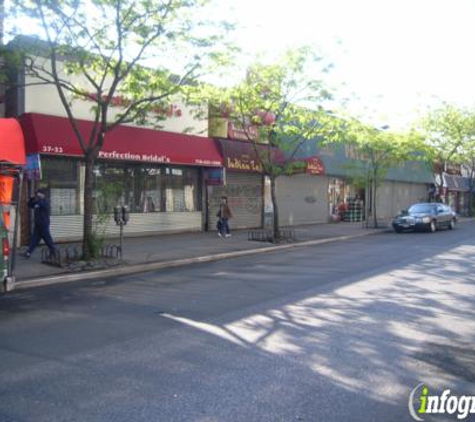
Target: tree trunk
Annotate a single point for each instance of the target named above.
(275, 219)
(375, 187)
(87, 250)
(375, 217)
(440, 188)
(471, 192)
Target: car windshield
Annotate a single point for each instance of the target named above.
(421, 208)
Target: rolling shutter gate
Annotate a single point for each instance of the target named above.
(392, 197)
(69, 227)
(244, 192)
(302, 199)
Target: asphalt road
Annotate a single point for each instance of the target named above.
(336, 332)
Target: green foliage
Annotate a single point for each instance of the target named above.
(376, 151)
(449, 134)
(106, 194)
(380, 149)
(279, 105)
(141, 51)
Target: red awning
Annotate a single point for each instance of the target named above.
(53, 135)
(12, 146)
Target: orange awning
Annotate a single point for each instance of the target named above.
(12, 144)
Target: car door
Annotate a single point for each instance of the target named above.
(441, 216)
(450, 215)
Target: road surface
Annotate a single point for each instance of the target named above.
(336, 332)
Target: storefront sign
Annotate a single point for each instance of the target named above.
(244, 163)
(51, 135)
(215, 176)
(242, 134)
(314, 165)
(33, 167)
(243, 156)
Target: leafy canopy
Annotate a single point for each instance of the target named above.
(142, 51)
(281, 104)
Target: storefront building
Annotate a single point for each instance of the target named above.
(157, 175)
(345, 192)
(242, 184)
(302, 198)
(456, 192)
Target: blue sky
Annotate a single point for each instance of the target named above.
(396, 58)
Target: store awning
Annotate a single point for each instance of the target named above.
(12, 146)
(54, 135)
(456, 183)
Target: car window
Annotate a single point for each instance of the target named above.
(421, 208)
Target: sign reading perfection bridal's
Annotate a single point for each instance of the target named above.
(53, 135)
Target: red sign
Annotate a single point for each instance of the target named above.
(314, 165)
(53, 135)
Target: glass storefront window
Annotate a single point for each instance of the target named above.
(144, 189)
(61, 180)
(182, 190)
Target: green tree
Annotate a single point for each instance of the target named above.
(278, 107)
(376, 151)
(443, 131)
(142, 51)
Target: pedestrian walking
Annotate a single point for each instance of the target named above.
(224, 215)
(41, 208)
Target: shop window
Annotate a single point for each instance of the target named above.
(60, 176)
(145, 189)
(182, 190)
(148, 195)
(109, 188)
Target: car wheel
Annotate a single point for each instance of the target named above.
(398, 229)
(433, 226)
(452, 224)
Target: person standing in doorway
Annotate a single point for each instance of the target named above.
(224, 214)
(41, 208)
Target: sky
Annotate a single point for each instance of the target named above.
(393, 59)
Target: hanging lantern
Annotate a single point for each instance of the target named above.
(267, 117)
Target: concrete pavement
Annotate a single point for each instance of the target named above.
(149, 253)
(337, 332)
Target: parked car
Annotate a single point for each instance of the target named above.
(425, 216)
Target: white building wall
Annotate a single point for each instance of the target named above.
(44, 99)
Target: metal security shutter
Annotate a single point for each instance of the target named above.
(244, 192)
(392, 197)
(69, 228)
(302, 199)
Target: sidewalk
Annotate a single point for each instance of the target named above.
(194, 246)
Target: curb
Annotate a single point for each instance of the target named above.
(142, 268)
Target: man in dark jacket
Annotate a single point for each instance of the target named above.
(41, 208)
